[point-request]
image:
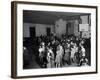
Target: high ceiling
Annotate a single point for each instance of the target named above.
(45, 17)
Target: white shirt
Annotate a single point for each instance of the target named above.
(83, 51)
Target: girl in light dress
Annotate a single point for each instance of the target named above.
(50, 58)
(40, 54)
(41, 51)
(72, 53)
(76, 53)
(59, 56)
(67, 53)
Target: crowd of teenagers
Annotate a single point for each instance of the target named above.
(61, 51)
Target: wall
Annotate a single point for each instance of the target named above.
(76, 28)
(86, 20)
(60, 27)
(5, 41)
(71, 27)
(26, 27)
(40, 29)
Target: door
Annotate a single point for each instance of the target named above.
(66, 29)
(32, 32)
(48, 30)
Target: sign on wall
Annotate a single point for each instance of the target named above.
(83, 27)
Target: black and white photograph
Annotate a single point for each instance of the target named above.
(53, 39)
(56, 39)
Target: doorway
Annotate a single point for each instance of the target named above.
(66, 29)
(32, 32)
(48, 30)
